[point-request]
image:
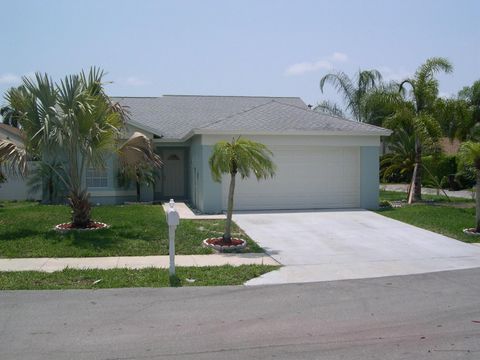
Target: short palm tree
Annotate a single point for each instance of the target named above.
(74, 123)
(240, 156)
(469, 155)
(136, 163)
(353, 90)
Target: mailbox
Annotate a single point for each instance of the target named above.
(172, 215)
(172, 220)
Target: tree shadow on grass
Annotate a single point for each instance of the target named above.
(174, 281)
(98, 239)
(19, 234)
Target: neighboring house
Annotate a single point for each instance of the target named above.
(15, 188)
(450, 147)
(322, 161)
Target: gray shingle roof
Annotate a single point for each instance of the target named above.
(175, 116)
(277, 116)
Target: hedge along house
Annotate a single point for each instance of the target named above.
(322, 161)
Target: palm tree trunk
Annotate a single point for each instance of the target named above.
(227, 237)
(138, 191)
(417, 190)
(477, 202)
(81, 208)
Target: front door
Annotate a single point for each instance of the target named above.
(173, 173)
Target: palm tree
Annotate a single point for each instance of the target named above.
(9, 116)
(354, 89)
(75, 123)
(329, 108)
(13, 158)
(469, 155)
(135, 163)
(456, 118)
(400, 159)
(241, 156)
(415, 113)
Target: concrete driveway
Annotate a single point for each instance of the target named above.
(336, 244)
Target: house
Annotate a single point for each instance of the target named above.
(16, 188)
(322, 161)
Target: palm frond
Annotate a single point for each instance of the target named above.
(328, 107)
(13, 158)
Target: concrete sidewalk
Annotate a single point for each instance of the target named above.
(186, 213)
(133, 262)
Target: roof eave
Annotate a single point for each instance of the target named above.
(385, 132)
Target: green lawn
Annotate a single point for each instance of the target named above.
(120, 278)
(398, 196)
(26, 231)
(441, 217)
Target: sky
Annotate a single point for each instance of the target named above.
(247, 47)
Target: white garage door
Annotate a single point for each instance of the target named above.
(307, 177)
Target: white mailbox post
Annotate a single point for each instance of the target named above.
(172, 220)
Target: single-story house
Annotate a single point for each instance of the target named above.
(322, 161)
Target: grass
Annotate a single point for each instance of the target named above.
(122, 278)
(441, 217)
(398, 196)
(26, 230)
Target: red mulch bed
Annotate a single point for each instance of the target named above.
(220, 242)
(92, 225)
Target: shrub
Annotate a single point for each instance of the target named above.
(439, 169)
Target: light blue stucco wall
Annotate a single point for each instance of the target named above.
(206, 194)
(369, 177)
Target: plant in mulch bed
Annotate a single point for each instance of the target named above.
(240, 156)
(469, 155)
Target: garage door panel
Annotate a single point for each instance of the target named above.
(306, 177)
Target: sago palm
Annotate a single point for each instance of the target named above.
(240, 156)
(469, 155)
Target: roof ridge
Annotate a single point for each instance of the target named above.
(135, 97)
(235, 114)
(235, 96)
(333, 116)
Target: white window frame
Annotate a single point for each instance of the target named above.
(96, 178)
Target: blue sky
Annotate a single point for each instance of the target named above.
(274, 48)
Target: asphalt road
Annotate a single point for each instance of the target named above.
(428, 316)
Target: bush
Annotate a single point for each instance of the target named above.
(441, 169)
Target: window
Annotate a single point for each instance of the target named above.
(97, 177)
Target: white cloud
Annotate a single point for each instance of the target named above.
(135, 81)
(10, 79)
(390, 74)
(325, 63)
(303, 67)
(339, 57)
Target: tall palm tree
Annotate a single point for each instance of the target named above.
(75, 123)
(328, 107)
(469, 155)
(354, 89)
(424, 93)
(9, 116)
(241, 156)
